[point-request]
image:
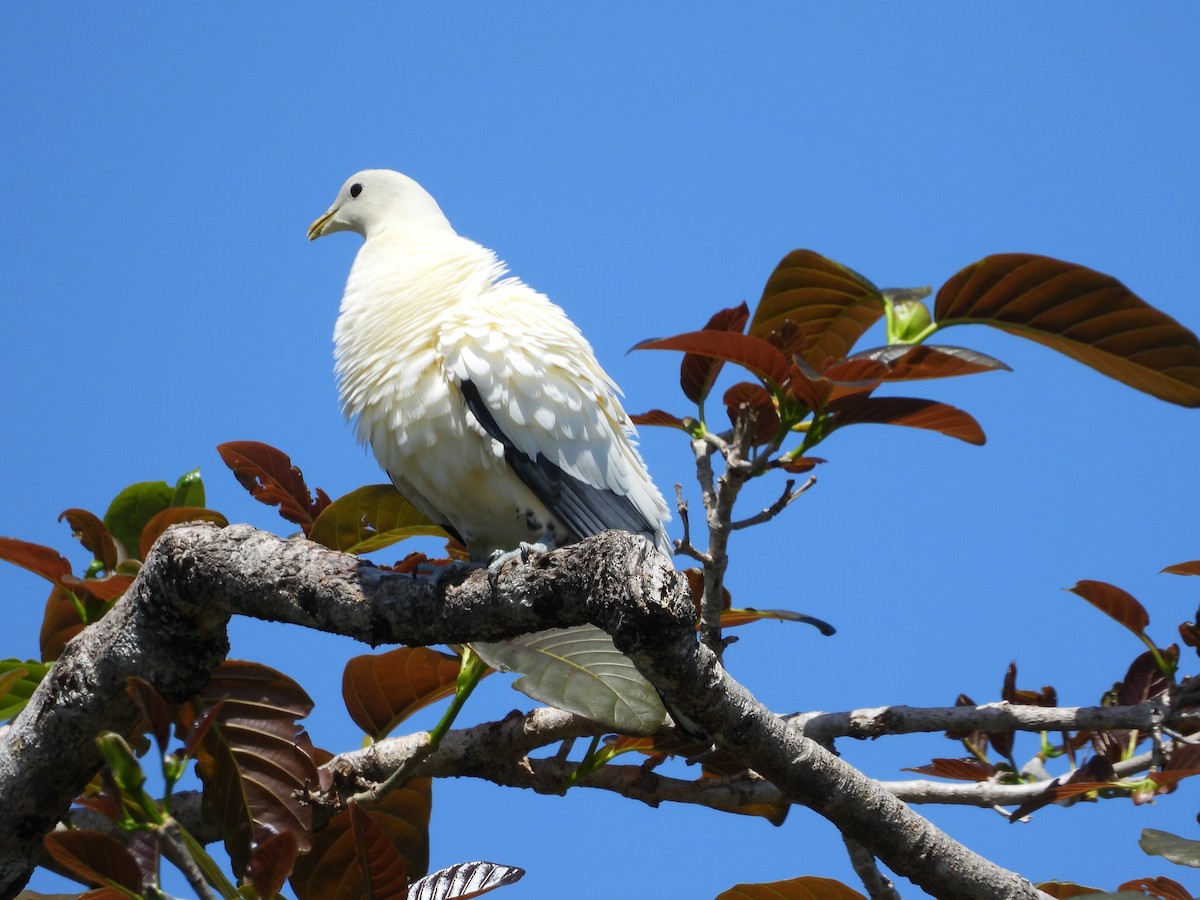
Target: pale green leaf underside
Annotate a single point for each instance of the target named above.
(1177, 849)
(579, 670)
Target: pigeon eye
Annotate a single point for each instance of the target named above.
(355, 189)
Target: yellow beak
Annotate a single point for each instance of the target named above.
(315, 229)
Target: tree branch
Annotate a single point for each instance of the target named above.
(170, 626)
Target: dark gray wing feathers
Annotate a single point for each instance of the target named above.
(584, 509)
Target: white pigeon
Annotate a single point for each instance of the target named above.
(489, 412)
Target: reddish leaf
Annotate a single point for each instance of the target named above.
(800, 464)
(910, 362)
(807, 887)
(829, 303)
(36, 558)
(271, 861)
(330, 870)
(1064, 890)
(61, 620)
(1160, 886)
(95, 858)
(270, 477)
(1144, 680)
(176, 515)
(255, 757)
(752, 353)
(105, 590)
(381, 865)
(697, 373)
(1009, 692)
(93, 534)
(1084, 314)
(757, 398)
(382, 690)
(658, 417)
(1185, 568)
(1115, 603)
(370, 518)
(156, 710)
(463, 881)
(731, 618)
(909, 412)
(1095, 775)
(958, 769)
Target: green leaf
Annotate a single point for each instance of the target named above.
(370, 518)
(830, 304)
(132, 508)
(189, 489)
(1084, 314)
(18, 679)
(579, 670)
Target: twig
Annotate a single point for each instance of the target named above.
(878, 885)
(787, 498)
(684, 546)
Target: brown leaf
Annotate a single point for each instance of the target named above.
(731, 618)
(749, 352)
(697, 373)
(807, 887)
(1115, 603)
(382, 690)
(270, 477)
(370, 518)
(255, 757)
(156, 710)
(95, 858)
(271, 861)
(464, 880)
(175, 515)
(1144, 680)
(61, 621)
(1185, 568)
(94, 536)
(967, 769)
(1084, 314)
(1160, 886)
(330, 870)
(36, 558)
(830, 304)
(1064, 889)
(757, 398)
(910, 362)
(659, 418)
(103, 589)
(380, 863)
(909, 412)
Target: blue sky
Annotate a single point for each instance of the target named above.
(643, 167)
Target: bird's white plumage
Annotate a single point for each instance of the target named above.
(425, 311)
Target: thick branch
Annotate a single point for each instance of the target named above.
(170, 629)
